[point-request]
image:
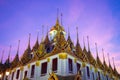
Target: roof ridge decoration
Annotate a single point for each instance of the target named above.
(89, 55)
(26, 57)
(16, 59)
(99, 63)
(36, 45)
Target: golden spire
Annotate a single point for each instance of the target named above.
(2, 56)
(57, 21)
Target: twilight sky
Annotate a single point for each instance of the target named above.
(99, 19)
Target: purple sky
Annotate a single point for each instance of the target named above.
(99, 19)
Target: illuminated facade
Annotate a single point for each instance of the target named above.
(57, 58)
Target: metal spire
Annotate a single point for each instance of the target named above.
(83, 41)
(42, 32)
(68, 32)
(108, 59)
(2, 56)
(113, 62)
(88, 43)
(57, 21)
(61, 18)
(96, 49)
(9, 53)
(18, 46)
(77, 35)
(103, 55)
(29, 40)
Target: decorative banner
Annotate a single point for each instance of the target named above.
(28, 66)
(37, 63)
(48, 59)
(62, 56)
(75, 60)
(21, 68)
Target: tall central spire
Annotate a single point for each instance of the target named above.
(57, 21)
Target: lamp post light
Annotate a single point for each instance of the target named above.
(7, 73)
(0, 76)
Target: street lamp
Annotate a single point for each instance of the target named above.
(7, 73)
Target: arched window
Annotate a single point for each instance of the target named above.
(54, 64)
(17, 75)
(12, 75)
(32, 71)
(25, 74)
(44, 68)
(99, 76)
(70, 65)
(88, 72)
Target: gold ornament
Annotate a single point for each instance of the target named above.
(28, 66)
(62, 56)
(48, 59)
(21, 68)
(37, 63)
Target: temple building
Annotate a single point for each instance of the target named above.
(57, 58)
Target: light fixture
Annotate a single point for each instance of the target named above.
(0, 75)
(7, 73)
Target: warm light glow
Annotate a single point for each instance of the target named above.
(0, 75)
(7, 73)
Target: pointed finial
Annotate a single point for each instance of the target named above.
(2, 56)
(113, 62)
(42, 32)
(88, 43)
(9, 53)
(29, 40)
(68, 31)
(38, 36)
(108, 59)
(61, 18)
(77, 35)
(57, 22)
(83, 41)
(103, 54)
(18, 46)
(96, 49)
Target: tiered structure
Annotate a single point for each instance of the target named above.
(56, 58)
